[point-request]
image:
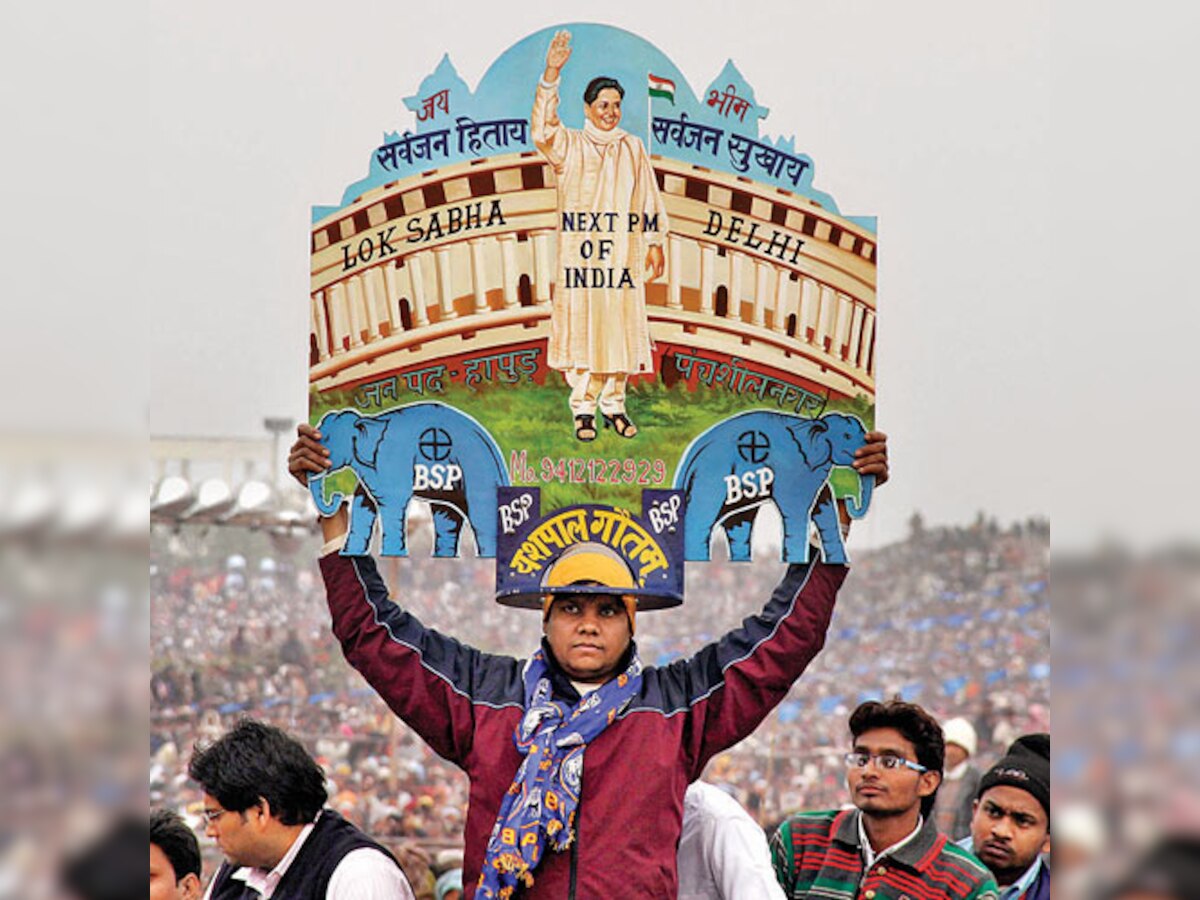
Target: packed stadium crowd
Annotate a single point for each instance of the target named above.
(954, 618)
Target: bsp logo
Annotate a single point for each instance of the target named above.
(515, 513)
(665, 514)
(435, 445)
(752, 485)
(437, 477)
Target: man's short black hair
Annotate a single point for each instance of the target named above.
(596, 85)
(914, 724)
(175, 838)
(254, 761)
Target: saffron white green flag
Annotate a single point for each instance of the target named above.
(662, 87)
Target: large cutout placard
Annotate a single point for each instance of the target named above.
(585, 277)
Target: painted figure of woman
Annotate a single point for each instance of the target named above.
(611, 223)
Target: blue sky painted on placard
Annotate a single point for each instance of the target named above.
(506, 92)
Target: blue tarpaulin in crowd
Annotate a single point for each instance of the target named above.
(321, 698)
(227, 708)
(995, 675)
(953, 685)
(1040, 671)
(912, 690)
(1035, 587)
(1069, 765)
(991, 615)
(828, 705)
(789, 711)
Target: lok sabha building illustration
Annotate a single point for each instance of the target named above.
(412, 271)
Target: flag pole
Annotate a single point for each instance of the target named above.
(649, 114)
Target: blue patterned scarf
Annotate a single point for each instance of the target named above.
(540, 804)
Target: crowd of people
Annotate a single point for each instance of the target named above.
(956, 619)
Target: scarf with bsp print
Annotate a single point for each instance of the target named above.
(539, 807)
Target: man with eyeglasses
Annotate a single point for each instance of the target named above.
(264, 804)
(1010, 825)
(888, 845)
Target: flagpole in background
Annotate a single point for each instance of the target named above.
(649, 118)
(656, 87)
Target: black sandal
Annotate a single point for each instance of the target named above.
(585, 428)
(620, 424)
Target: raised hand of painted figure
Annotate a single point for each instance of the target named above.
(557, 55)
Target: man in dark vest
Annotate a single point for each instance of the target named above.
(264, 800)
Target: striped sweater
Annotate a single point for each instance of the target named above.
(818, 855)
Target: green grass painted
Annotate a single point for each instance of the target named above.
(536, 419)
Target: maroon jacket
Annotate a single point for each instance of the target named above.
(466, 704)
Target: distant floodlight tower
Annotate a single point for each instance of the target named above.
(277, 425)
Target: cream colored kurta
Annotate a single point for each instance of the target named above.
(600, 330)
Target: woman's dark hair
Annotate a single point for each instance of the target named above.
(914, 724)
(177, 841)
(256, 761)
(596, 85)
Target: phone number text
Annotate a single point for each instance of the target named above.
(593, 470)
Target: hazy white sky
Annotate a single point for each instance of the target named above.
(1030, 165)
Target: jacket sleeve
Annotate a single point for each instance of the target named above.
(429, 680)
(731, 685)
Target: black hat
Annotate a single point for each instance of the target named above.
(1171, 869)
(1025, 765)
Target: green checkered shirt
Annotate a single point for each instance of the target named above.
(818, 855)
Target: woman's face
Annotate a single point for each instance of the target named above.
(605, 111)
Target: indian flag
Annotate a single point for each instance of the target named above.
(662, 87)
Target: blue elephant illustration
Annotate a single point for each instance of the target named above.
(426, 450)
(759, 457)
